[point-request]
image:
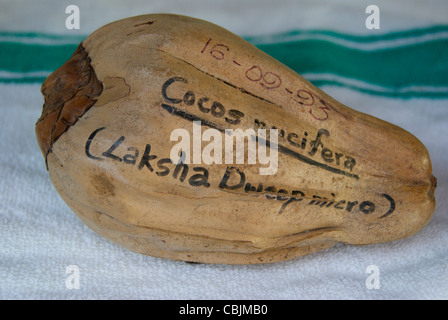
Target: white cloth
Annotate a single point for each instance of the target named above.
(40, 236)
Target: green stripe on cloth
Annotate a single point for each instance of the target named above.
(21, 57)
(439, 30)
(38, 37)
(421, 65)
(405, 64)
